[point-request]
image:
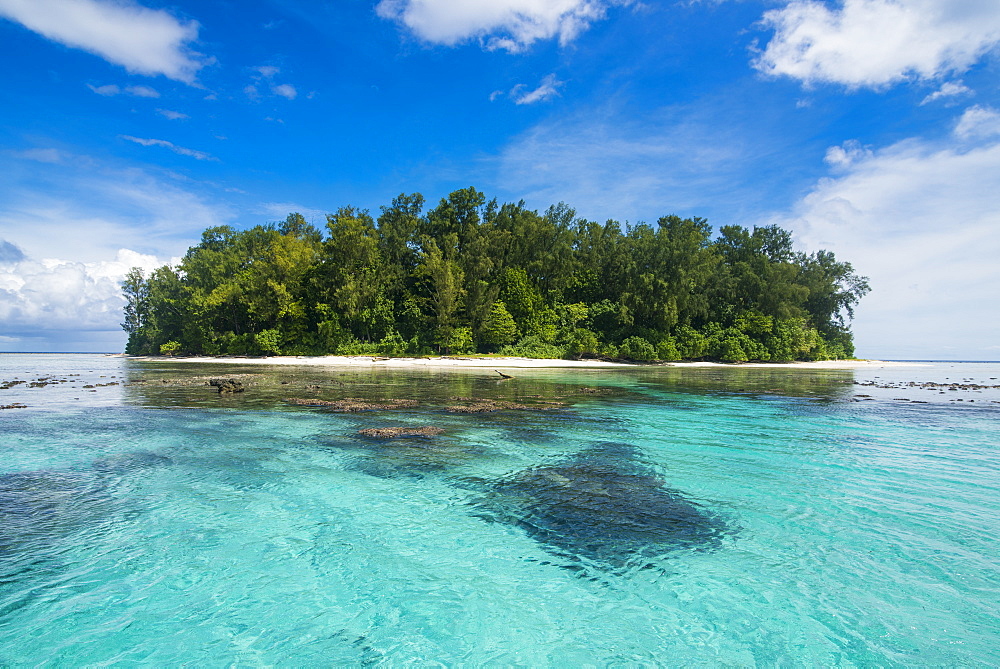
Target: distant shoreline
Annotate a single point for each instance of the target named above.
(508, 363)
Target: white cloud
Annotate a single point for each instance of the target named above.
(949, 89)
(198, 155)
(122, 32)
(137, 91)
(52, 294)
(978, 122)
(849, 152)
(285, 91)
(874, 43)
(106, 90)
(47, 155)
(613, 165)
(921, 221)
(263, 76)
(501, 24)
(172, 115)
(85, 211)
(280, 210)
(70, 231)
(10, 253)
(142, 91)
(548, 88)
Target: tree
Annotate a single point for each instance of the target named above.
(499, 328)
(442, 279)
(137, 308)
(471, 271)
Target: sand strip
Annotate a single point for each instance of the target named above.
(506, 363)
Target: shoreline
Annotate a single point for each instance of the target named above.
(509, 363)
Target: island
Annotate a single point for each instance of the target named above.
(474, 276)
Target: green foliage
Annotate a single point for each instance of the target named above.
(667, 350)
(581, 343)
(457, 341)
(499, 328)
(637, 348)
(533, 347)
(392, 344)
(268, 341)
(170, 348)
(471, 274)
(691, 344)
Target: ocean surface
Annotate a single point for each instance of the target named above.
(648, 516)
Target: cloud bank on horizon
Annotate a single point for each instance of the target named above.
(867, 127)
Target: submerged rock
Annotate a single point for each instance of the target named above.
(489, 406)
(227, 385)
(353, 404)
(397, 432)
(601, 505)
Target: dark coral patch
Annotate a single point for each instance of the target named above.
(602, 505)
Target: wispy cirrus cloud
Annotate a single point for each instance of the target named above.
(511, 25)
(172, 115)
(547, 88)
(876, 43)
(109, 90)
(143, 40)
(950, 90)
(610, 164)
(180, 150)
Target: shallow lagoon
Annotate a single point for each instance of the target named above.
(157, 521)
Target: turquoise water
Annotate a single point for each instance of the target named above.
(654, 516)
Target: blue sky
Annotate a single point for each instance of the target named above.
(870, 128)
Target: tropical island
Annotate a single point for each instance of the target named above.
(474, 276)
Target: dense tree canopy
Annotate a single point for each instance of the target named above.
(471, 275)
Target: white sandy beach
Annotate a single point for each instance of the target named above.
(507, 363)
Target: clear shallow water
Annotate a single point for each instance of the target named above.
(159, 522)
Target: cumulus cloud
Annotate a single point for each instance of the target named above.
(172, 115)
(512, 25)
(50, 294)
(142, 40)
(874, 43)
(197, 155)
(919, 219)
(548, 88)
(71, 230)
